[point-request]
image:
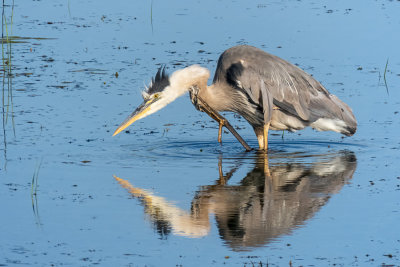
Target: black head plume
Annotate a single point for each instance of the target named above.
(159, 82)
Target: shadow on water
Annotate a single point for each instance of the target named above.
(277, 196)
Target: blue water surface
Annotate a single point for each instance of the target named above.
(165, 193)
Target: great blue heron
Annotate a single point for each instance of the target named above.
(269, 92)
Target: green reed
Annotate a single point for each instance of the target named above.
(34, 187)
(6, 52)
(35, 178)
(6, 45)
(384, 76)
(151, 15)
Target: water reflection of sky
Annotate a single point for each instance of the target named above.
(67, 109)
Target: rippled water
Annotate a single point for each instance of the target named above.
(165, 193)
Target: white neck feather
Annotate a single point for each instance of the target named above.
(181, 81)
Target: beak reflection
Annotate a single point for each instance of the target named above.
(160, 209)
(141, 111)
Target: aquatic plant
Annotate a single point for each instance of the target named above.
(35, 178)
(151, 15)
(34, 187)
(6, 45)
(384, 76)
(6, 51)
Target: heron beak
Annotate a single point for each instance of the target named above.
(142, 111)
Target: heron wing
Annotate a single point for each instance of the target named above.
(264, 77)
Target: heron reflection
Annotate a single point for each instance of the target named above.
(270, 201)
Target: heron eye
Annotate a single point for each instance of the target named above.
(156, 95)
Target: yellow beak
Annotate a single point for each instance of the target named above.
(141, 112)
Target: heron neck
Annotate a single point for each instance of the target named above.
(217, 96)
(183, 79)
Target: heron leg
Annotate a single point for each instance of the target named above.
(222, 180)
(221, 120)
(221, 124)
(260, 137)
(267, 173)
(266, 128)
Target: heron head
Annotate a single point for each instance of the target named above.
(163, 90)
(154, 100)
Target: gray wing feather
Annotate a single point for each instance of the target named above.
(267, 101)
(267, 79)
